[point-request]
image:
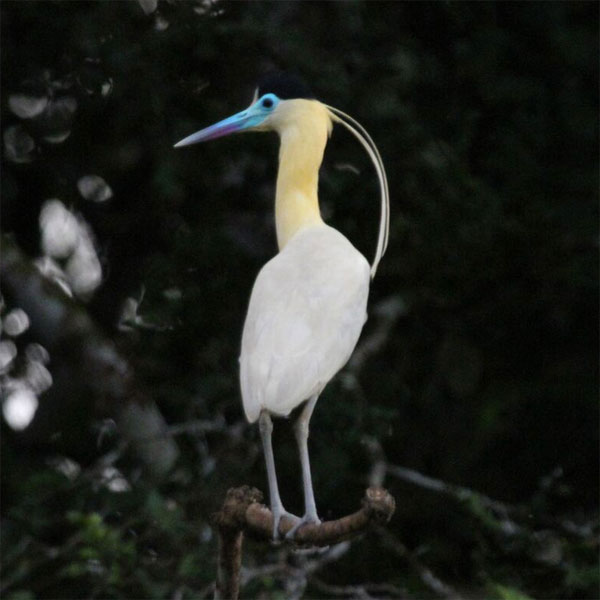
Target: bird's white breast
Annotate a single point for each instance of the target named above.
(306, 312)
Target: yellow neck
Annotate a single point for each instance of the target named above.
(303, 126)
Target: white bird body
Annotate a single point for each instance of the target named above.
(306, 312)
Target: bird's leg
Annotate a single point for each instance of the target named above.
(301, 430)
(266, 428)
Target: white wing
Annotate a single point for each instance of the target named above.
(306, 313)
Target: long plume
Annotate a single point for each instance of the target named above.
(368, 144)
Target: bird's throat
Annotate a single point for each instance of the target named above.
(296, 207)
(300, 156)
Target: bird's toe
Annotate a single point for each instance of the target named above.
(277, 516)
(305, 520)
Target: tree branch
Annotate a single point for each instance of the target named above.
(242, 512)
(427, 577)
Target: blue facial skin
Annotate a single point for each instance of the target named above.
(246, 119)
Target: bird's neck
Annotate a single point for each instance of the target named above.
(301, 153)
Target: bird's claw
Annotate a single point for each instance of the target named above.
(278, 514)
(305, 520)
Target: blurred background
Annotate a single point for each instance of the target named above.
(127, 267)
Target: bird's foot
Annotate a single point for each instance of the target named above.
(278, 513)
(308, 518)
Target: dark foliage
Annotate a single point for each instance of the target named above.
(478, 365)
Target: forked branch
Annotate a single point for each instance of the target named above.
(242, 512)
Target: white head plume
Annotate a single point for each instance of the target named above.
(369, 145)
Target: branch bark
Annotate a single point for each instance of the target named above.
(242, 512)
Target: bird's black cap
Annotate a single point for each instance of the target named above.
(284, 85)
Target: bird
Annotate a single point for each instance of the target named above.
(308, 303)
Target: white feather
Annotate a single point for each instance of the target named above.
(361, 134)
(306, 312)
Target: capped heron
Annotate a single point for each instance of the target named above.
(308, 304)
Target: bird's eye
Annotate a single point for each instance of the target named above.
(267, 102)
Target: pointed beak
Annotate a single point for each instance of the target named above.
(245, 119)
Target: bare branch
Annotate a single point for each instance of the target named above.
(366, 591)
(378, 469)
(387, 313)
(242, 512)
(431, 581)
(505, 513)
(378, 508)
